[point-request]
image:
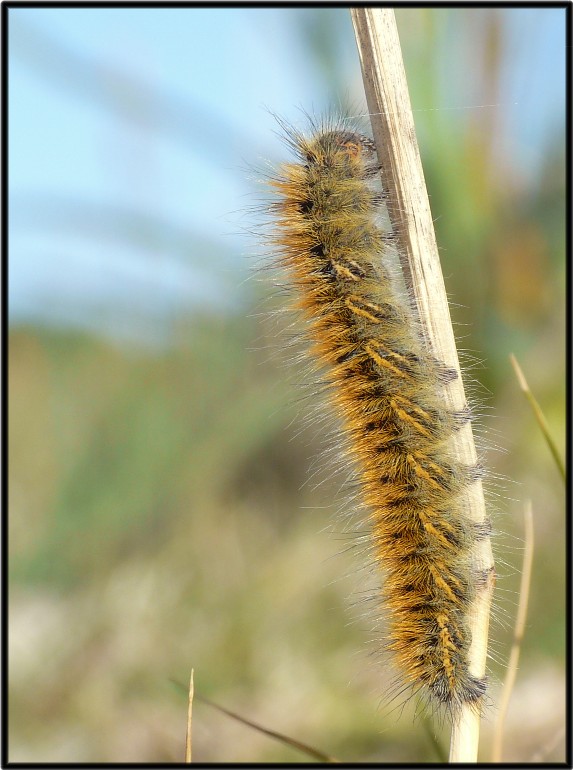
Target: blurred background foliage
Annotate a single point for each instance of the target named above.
(161, 513)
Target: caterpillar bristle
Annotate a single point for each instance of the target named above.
(388, 391)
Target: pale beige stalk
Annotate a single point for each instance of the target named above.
(393, 128)
(189, 734)
(518, 632)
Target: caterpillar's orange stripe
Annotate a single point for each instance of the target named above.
(403, 415)
(384, 362)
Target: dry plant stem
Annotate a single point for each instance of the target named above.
(320, 756)
(188, 740)
(517, 634)
(394, 133)
(539, 416)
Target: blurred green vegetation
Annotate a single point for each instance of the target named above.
(161, 516)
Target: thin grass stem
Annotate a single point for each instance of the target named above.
(188, 737)
(539, 416)
(518, 632)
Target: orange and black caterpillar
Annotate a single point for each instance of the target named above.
(388, 389)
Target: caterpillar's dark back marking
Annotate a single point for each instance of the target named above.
(388, 389)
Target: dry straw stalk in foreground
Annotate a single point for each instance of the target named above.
(394, 133)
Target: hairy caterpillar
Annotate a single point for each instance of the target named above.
(387, 389)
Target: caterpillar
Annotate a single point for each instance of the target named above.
(387, 390)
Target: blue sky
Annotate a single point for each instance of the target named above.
(130, 167)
